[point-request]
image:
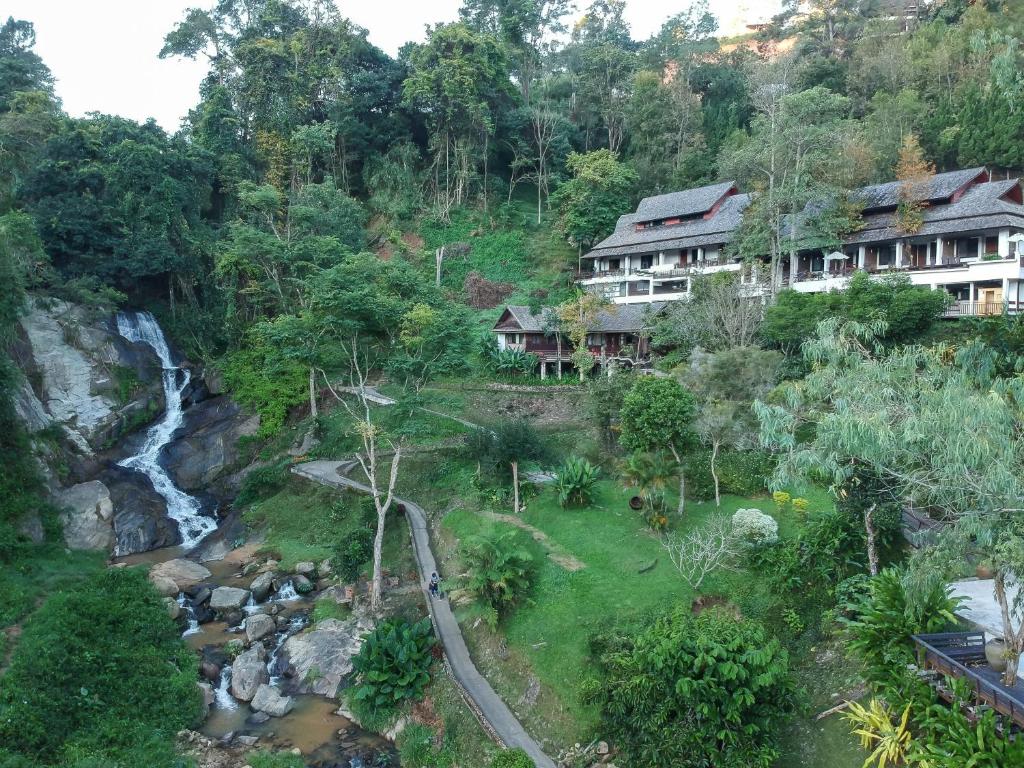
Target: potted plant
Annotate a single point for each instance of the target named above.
(996, 655)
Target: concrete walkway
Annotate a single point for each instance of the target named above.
(488, 706)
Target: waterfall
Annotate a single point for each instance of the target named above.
(295, 624)
(142, 327)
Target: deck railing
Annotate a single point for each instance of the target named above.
(951, 652)
(982, 308)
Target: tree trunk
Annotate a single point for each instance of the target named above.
(376, 587)
(515, 487)
(714, 474)
(869, 527)
(682, 480)
(1014, 639)
(558, 363)
(312, 392)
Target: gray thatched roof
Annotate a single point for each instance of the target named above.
(617, 318)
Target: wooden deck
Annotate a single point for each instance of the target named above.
(962, 655)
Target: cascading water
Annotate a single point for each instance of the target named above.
(142, 327)
(222, 698)
(296, 624)
(190, 613)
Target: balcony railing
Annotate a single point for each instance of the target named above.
(962, 655)
(982, 308)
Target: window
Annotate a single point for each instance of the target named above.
(817, 263)
(646, 262)
(511, 338)
(593, 339)
(886, 255)
(613, 264)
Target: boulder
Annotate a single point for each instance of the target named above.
(87, 516)
(268, 700)
(306, 569)
(164, 586)
(208, 698)
(262, 586)
(259, 626)
(225, 599)
(325, 568)
(302, 585)
(173, 609)
(328, 649)
(185, 573)
(248, 673)
(201, 595)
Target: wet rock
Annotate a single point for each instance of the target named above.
(207, 448)
(87, 516)
(250, 568)
(268, 700)
(248, 741)
(185, 573)
(140, 513)
(329, 649)
(204, 614)
(302, 585)
(257, 718)
(269, 567)
(259, 626)
(224, 599)
(248, 673)
(306, 569)
(201, 596)
(262, 585)
(209, 670)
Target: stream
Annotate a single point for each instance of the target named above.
(326, 739)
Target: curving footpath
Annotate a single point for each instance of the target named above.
(487, 705)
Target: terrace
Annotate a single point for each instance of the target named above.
(962, 655)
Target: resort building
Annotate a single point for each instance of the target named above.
(619, 336)
(968, 244)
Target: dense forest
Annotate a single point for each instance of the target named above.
(315, 208)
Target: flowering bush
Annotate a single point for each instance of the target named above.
(754, 527)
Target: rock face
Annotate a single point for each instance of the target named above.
(140, 513)
(73, 362)
(87, 516)
(228, 598)
(258, 626)
(206, 452)
(268, 700)
(248, 673)
(329, 649)
(184, 573)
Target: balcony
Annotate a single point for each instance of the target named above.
(962, 655)
(981, 308)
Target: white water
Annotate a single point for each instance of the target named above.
(181, 507)
(222, 698)
(193, 622)
(286, 593)
(296, 624)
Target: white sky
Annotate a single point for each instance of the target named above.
(103, 53)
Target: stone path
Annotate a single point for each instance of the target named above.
(555, 552)
(488, 706)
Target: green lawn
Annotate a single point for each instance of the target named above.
(549, 636)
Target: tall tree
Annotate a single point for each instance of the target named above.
(600, 190)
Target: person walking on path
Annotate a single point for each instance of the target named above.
(435, 585)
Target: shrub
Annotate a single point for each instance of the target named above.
(754, 528)
(880, 632)
(353, 552)
(499, 572)
(512, 758)
(693, 691)
(262, 483)
(394, 664)
(99, 667)
(742, 473)
(576, 481)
